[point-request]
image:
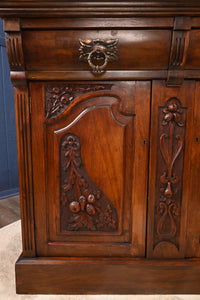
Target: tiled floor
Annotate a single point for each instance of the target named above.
(9, 210)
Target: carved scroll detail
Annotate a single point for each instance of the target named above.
(59, 97)
(14, 50)
(83, 206)
(168, 206)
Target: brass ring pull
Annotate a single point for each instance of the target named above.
(96, 68)
(98, 53)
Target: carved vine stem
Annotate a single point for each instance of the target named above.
(83, 206)
(171, 145)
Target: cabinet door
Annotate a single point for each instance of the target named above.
(170, 181)
(90, 166)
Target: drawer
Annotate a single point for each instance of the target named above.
(59, 49)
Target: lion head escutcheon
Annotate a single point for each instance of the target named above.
(98, 53)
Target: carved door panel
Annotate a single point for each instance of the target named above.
(170, 180)
(90, 167)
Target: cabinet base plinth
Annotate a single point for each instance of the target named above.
(107, 276)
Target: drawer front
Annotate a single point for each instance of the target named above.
(58, 50)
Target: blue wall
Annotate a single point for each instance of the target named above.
(8, 148)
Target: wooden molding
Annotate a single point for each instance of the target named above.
(98, 8)
(25, 170)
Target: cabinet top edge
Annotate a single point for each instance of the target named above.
(89, 8)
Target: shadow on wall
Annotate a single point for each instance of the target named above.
(9, 185)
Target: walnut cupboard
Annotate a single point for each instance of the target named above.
(107, 99)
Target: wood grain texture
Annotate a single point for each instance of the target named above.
(108, 132)
(107, 276)
(108, 114)
(193, 227)
(99, 8)
(134, 49)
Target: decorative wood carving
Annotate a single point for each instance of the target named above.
(98, 53)
(83, 206)
(59, 97)
(169, 173)
(178, 54)
(14, 50)
(25, 165)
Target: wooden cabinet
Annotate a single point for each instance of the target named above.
(107, 111)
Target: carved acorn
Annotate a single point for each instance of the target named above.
(91, 198)
(90, 209)
(74, 206)
(82, 201)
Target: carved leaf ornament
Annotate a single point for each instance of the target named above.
(84, 207)
(59, 97)
(171, 145)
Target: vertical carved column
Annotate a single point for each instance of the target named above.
(23, 120)
(170, 173)
(25, 169)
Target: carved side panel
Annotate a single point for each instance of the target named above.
(84, 207)
(172, 123)
(59, 97)
(25, 170)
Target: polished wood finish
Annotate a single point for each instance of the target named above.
(134, 51)
(97, 276)
(169, 184)
(107, 106)
(118, 102)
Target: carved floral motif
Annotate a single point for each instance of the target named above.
(171, 146)
(59, 97)
(83, 206)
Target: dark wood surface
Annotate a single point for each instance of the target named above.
(9, 210)
(110, 142)
(107, 276)
(99, 8)
(107, 110)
